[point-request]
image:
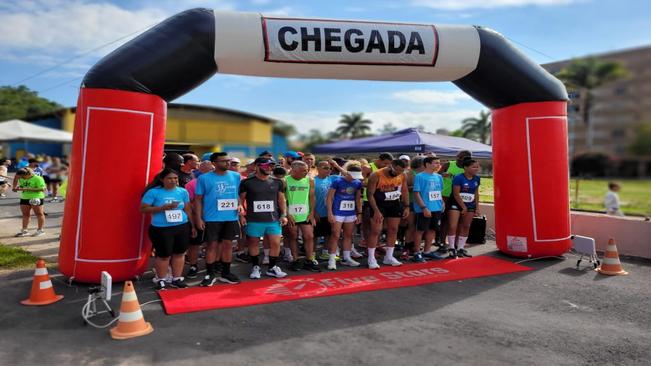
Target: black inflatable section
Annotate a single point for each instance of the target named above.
(504, 76)
(168, 60)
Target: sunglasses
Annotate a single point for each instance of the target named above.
(266, 166)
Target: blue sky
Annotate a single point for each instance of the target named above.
(40, 34)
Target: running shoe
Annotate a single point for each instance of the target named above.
(350, 263)
(275, 271)
(22, 234)
(404, 255)
(229, 278)
(355, 254)
(432, 255)
(444, 248)
(242, 257)
(391, 261)
(255, 273)
(332, 264)
(418, 257)
(178, 283)
(324, 256)
(161, 285)
(208, 280)
(296, 265)
(452, 254)
(288, 258)
(192, 272)
(312, 265)
(464, 253)
(372, 264)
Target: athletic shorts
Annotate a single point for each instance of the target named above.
(260, 229)
(454, 205)
(428, 223)
(389, 210)
(322, 228)
(199, 239)
(24, 202)
(303, 223)
(222, 230)
(168, 240)
(345, 219)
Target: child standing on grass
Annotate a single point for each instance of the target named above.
(611, 202)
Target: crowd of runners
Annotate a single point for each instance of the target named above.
(305, 211)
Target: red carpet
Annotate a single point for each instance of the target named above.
(293, 287)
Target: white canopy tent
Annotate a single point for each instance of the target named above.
(17, 130)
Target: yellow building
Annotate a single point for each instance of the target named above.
(193, 128)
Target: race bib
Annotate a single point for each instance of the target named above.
(435, 195)
(467, 197)
(347, 206)
(263, 206)
(297, 209)
(226, 205)
(174, 216)
(392, 196)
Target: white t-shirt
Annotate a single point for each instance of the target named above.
(611, 202)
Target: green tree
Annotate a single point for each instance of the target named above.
(312, 138)
(642, 143)
(20, 102)
(284, 129)
(387, 128)
(354, 125)
(478, 129)
(584, 75)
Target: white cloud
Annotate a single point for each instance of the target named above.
(431, 97)
(486, 4)
(326, 121)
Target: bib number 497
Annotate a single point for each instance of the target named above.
(174, 215)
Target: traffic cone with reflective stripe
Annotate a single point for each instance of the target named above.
(131, 323)
(610, 264)
(42, 290)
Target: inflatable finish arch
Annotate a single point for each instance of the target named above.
(120, 123)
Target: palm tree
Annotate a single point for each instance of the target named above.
(354, 125)
(478, 128)
(586, 74)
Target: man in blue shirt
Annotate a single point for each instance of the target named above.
(217, 209)
(322, 183)
(428, 206)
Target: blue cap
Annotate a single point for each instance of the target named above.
(292, 154)
(206, 156)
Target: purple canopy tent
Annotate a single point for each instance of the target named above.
(409, 140)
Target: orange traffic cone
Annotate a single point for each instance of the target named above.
(42, 290)
(611, 265)
(131, 323)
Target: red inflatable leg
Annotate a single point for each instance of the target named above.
(117, 150)
(531, 177)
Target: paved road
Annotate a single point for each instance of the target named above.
(553, 315)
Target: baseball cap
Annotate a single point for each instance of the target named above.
(266, 152)
(262, 160)
(206, 156)
(356, 175)
(250, 161)
(404, 157)
(235, 160)
(292, 154)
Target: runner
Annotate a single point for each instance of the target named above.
(344, 205)
(171, 226)
(416, 166)
(32, 196)
(199, 240)
(322, 183)
(190, 164)
(266, 213)
(448, 171)
(463, 206)
(428, 205)
(382, 161)
(309, 159)
(4, 183)
(218, 207)
(389, 200)
(301, 202)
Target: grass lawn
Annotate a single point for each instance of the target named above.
(635, 194)
(14, 257)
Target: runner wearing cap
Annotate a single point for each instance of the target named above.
(463, 206)
(234, 165)
(266, 213)
(428, 205)
(322, 183)
(290, 156)
(301, 202)
(344, 205)
(389, 201)
(218, 207)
